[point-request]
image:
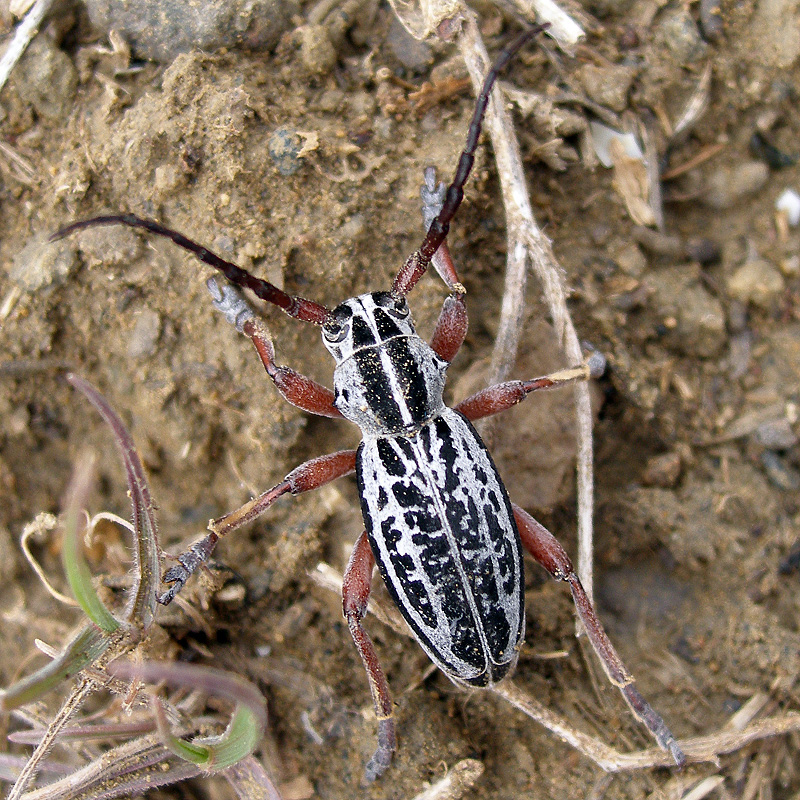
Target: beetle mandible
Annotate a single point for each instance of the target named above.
(438, 521)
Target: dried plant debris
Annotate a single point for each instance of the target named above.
(155, 755)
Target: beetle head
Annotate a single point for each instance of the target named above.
(366, 321)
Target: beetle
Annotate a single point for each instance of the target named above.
(439, 524)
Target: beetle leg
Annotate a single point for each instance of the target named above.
(355, 596)
(443, 263)
(308, 476)
(451, 328)
(547, 551)
(433, 196)
(502, 396)
(298, 390)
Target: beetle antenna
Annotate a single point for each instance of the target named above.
(415, 266)
(296, 307)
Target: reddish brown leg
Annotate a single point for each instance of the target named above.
(451, 328)
(502, 396)
(355, 596)
(443, 263)
(308, 476)
(433, 196)
(545, 548)
(297, 389)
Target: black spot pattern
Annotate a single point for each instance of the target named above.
(413, 387)
(443, 534)
(379, 393)
(390, 461)
(362, 335)
(387, 327)
(377, 390)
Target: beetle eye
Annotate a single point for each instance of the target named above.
(399, 310)
(334, 334)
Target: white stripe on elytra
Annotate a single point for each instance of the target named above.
(441, 642)
(438, 634)
(451, 539)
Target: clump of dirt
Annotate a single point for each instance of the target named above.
(304, 166)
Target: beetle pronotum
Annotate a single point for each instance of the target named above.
(438, 521)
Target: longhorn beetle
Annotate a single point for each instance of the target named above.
(439, 524)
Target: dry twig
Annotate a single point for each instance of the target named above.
(528, 245)
(698, 749)
(23, 36)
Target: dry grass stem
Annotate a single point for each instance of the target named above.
(422, 17)
(563, 28)
(145, 755)
(38, 529)
(23, 36)
(704, 788)
(528, 245)
(458, 780)
(698, 749)
(14, 165)
(73, 702)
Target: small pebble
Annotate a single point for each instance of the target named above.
(741, 348)
(659, 243)
(42, 263)
(160, 30)
(607, 86)
(780, 474)
(145, 334)
(663, 471)
(46, 79)
(329, 101)
(283, 148)
(167, 178)
(599, 233)
(756, 282)
(316, 50)
(628, 38)
(776, 434)
(414, 54)
(790, 266)
(789, 204)
(711, 19)
(773, 34)
(630, 259)
(679, 32)
(727, 186)
(699, 320)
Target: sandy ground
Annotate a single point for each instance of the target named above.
(697, 454)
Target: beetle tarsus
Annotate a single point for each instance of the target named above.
(432, 194)
(654, 723)
(230, 302)
(188, 563)
(382, 757)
